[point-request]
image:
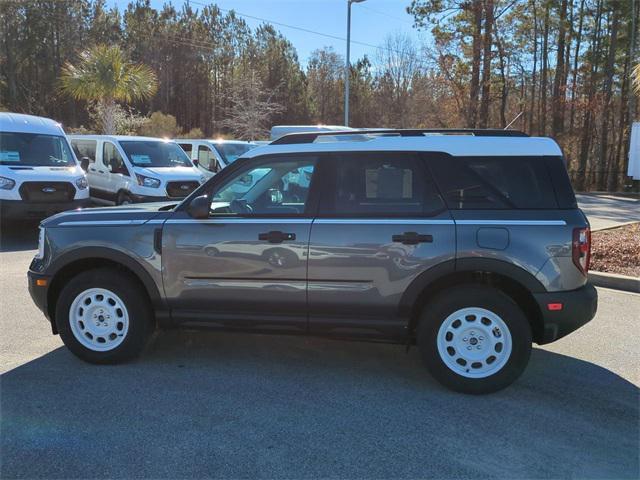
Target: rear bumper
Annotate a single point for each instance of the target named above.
(22, 210)
(578, 308)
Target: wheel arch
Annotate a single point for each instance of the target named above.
(511, 279)
(72, 263)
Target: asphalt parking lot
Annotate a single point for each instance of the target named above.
(206, 404)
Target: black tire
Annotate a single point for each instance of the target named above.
(482, 296)
(137, 305)
(124, 198)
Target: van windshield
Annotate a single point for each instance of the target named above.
(231, 151)
(150, 153)
(34, 150)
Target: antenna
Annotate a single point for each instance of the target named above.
(514, 120)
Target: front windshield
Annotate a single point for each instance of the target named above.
(231, 151)
(35, 150)
(154, 153)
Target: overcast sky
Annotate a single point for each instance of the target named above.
(371, 21)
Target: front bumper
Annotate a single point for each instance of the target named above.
(22, 210)
(39, 292)
(578, 308)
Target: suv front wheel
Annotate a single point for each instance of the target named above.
(474, 339)
(103, 316)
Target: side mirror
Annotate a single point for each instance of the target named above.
(196, 162)
(199, 207)
(84, 163)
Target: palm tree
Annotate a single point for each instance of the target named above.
(105, 76)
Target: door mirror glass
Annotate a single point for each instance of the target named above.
(199, 207)
(196, 162)
(84, 163)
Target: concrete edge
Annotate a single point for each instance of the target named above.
(615, 281)
(615, 226)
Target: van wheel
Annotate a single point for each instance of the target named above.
(474, 339)
(103, 316)
(124, 199)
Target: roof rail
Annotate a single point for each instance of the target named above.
(310, 137)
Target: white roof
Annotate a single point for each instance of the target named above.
(455, 145)
(119, 138)
(18, 122)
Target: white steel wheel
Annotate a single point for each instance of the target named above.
(474, 342)
(99, 319)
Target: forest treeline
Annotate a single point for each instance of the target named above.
(560, 68)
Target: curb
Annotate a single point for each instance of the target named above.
(615, 281)
(601, 229)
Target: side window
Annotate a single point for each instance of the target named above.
(85, 149)
(274, 187)
(113, 160)
(207, 159)
(494, 182)
(187, 147)
(380, 184)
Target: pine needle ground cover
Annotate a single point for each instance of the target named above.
(617, 250)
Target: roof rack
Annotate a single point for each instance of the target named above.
(310, 137)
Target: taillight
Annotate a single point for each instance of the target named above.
(581, 248)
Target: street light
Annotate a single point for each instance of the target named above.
(348, 64)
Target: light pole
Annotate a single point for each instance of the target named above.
(348, 64)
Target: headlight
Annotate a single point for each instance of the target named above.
(203, 179)
(147, 181)
(82, 183)
(7, 183)
(40, 253)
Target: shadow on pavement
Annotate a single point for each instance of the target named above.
(248, 406)
(16, 237)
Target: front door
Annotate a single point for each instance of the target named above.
(246, 264)
(381, 224)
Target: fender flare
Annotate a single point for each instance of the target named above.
(461, 265)
(106, 253)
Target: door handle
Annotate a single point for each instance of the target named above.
(276, 236)
(101, 171)
(412, 238)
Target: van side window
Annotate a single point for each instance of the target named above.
(85, 148)
(381, 184)
(113, 160)
(207, 159)
(187, 147)
(494, 182)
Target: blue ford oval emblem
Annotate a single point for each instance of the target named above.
(48, 189)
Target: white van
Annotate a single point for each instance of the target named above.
(125, 170)
(39, 175)
(211, 156)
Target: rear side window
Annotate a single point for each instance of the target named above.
(85, 149)
(494, 182)
(379, 184)
(561, 183)
(187, 147)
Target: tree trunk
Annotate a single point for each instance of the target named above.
(535, 65)
(576, 57)
(542, 107)
(585, 141)
(503, 77)
(486, 64)
(474, 88)
(607, 87)
(108, 111)
(558, 87)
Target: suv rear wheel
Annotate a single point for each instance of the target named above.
(474, 339)
(103, 316)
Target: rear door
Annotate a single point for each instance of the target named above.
(381, 224)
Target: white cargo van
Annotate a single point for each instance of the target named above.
(123, 169)
(39, 175)
(211, 156)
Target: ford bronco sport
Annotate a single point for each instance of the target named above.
(466, 242)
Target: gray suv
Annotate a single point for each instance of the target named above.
(466, 242)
